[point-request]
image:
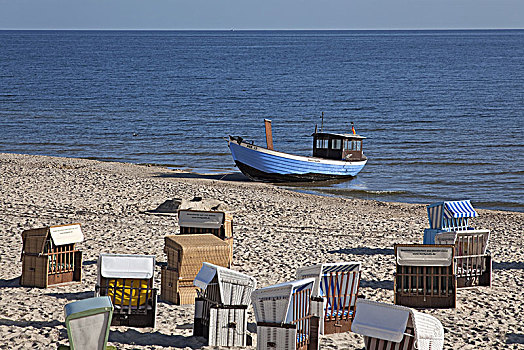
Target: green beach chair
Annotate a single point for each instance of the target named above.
(87, 322)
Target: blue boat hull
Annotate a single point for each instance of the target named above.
(262, 164)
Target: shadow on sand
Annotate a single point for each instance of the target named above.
(233, 177)
(388, 285)
(508, 265)
(514, 338)
(364, 251)
(73, 296)
(11, 283)
(133, 337)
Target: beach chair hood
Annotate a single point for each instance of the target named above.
(126, 266)
(320, 273)
(389, 322)
(279, 300)
(201, 219)
(235, 287)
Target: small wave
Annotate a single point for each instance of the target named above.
(360, 192)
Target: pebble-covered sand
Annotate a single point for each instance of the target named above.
(275, 232)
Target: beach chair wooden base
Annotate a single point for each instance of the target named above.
(407, 343)
(143, 316)
(421, 302)
(276, 336)
(337, 326)
(221, 325)
(473, 279)
(37, 272)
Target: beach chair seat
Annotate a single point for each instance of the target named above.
(50, 257)
(128, 281)
(283, 316)
(221, 307)
(391, 327)
(425, 276)
(87, 322)
(473, 263)
(334, 294)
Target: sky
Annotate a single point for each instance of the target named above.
(261, 14)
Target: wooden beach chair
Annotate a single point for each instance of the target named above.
(185, 255)
(334, 294)
(87, 322)
(283, 316)
(218, 223)
(392, 327)
(49, 256)
(424, 276)
(448, 216)
(129, 281)
(221, 308)
(472, 260)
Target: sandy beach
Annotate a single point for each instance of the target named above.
(275, 231)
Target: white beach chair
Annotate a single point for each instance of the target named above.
(284, 321)
(87, 322)
(334, 294)
(129, 281)
(472, 259)
(392, 327)
(424, 276)
(448, 216)
(221, 308)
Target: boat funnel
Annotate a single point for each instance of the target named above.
(269, 135)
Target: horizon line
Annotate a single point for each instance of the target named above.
(252, 30)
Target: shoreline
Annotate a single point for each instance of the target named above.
(305, 188)
(275, 231)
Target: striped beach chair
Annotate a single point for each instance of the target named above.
(392, 327)
(284, 321)
(221, 307)
(448, 216)
(128, 281)
(334, 294)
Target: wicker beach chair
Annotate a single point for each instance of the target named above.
(87, 322)
(448, 216)
(334, 294)
(284, 321)
(221, 308)
(128, 281)
(392, 327)
(50, 257)
(218, 223)
(424, 276)
(472, 259)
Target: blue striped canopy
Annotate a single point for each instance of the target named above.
(459, 209)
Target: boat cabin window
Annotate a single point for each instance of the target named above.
(352, 145)
(322, 143)
(336, 144)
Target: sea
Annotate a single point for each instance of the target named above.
(443, 111)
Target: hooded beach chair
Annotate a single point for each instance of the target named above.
(218, 223)
(334, 294)
(392, 327)
(283, 316)
(50, 257)
(87, 322)
(424, 276)
(448, 216)
(221, 308)
(472, 260)
(128, 281)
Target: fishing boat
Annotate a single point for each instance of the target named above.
(335, 156)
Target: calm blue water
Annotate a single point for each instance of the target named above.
(443, 110)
